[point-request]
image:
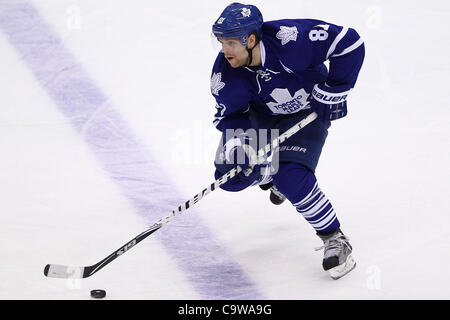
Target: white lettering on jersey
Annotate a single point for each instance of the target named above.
(221, 108)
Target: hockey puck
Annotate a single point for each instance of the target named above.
(98, 293)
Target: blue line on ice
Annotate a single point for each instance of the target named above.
(197, 252)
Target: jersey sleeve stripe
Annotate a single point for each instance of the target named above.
(349, 49)
(336, 41)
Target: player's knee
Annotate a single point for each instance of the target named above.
(294, 180)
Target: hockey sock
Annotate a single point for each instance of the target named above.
(299, 185)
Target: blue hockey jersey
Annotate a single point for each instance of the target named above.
(293, 53)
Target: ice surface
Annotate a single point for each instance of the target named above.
(65, 201)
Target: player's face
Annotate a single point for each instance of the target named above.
(234, 52)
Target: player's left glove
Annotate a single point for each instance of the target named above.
(329, 102)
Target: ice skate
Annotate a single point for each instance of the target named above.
(337, 258)
(276, 197)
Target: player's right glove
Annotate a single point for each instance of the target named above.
(240, 149)
(329, 103)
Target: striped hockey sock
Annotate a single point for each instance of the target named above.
(318, 211)
(299, 185)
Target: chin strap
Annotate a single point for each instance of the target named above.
(250, 56)
(250, 53)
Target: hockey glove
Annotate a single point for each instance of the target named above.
(329, 103)
(240, 149)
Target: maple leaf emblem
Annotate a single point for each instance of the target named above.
(246, 12)
(216, 83)
(287, 34)
(285, 103)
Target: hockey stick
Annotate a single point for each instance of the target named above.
(76, 272)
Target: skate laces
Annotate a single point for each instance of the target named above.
(334, 242)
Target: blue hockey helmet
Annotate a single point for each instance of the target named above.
(238, 21)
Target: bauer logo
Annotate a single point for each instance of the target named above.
(128, 246)
(291, 148)
(329, 98)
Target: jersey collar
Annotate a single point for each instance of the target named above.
(262, 51)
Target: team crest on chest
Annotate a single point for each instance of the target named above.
(287, 34)
(287, 104)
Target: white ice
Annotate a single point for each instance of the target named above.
(384, 166)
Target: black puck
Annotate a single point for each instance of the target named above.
(98, 293)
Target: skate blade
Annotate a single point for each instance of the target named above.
(341, 270)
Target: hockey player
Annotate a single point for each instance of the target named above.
(270, 75)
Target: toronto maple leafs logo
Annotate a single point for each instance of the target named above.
(285, 103)
(287, 34)
(216, 83)
(246, 12)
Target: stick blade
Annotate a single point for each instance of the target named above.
(63, 272)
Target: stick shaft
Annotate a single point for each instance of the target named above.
(233, 172)
(62, 271)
